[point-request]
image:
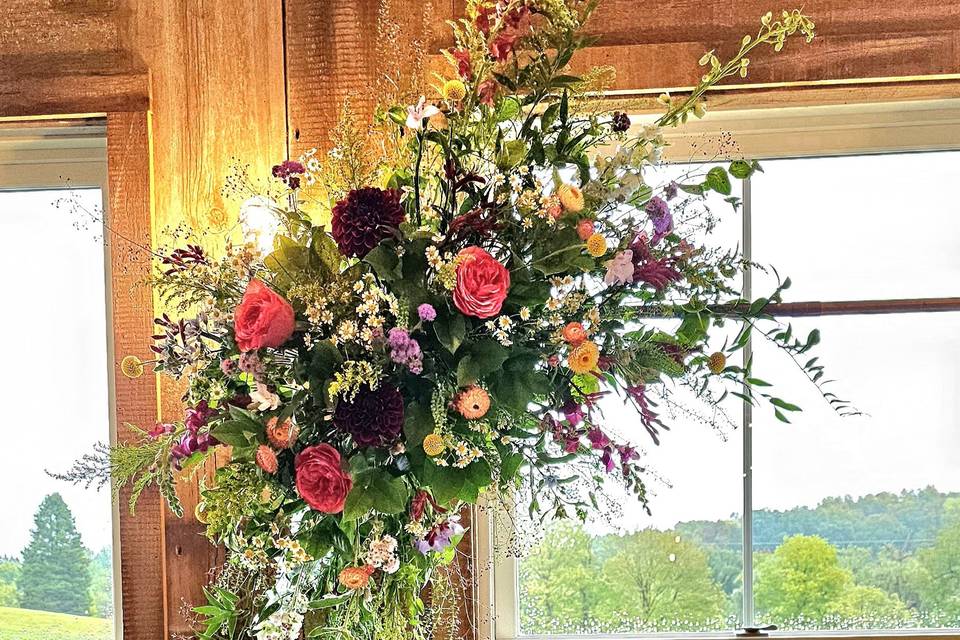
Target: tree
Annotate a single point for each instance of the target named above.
(55, 571)
(803, 583)
(800, 579)
(101, 584)
(939, 580)
(9, 571)
(561, 582)
(659, 581)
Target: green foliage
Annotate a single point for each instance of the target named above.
(55, 571)
(939, 577)
(101, 584)
(9, 572)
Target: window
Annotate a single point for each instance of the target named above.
(58, 541)
(827, 524)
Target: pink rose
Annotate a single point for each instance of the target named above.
(321, 480)
(482, 284)
(262, 319)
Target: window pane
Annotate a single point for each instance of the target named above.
(859, 227)
(857, 520)
(678, 569)
(56, 568)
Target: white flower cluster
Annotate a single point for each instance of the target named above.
(383, 554)
(285, 623)
(500, 329)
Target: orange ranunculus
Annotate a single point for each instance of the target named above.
(574, 333)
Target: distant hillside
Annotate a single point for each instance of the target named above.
(907, 520)
(24, 624)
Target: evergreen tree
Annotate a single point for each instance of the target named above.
(55, 569)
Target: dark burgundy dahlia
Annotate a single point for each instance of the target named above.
(364, 218)
(374, 418)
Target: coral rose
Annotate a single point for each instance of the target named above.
(321, 481)
(482, 284)
(262, 319)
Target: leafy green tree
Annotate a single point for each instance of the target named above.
(939, 579)
(9, 572)
(55, 572)
(659, 580)
(561, 581)
(802, 578)
(101, 584)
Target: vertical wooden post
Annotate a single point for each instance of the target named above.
(142, 565)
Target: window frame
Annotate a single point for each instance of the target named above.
(71, 155)
(763, 134)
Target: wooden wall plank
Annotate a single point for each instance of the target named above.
(218, 99)
(142, 535)
(659, 46)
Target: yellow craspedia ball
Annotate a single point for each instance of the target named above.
(570, 197)
(454, 90)
(131, 366)
(433, 445)
(596, 245)
(584, 357)
(717, 363)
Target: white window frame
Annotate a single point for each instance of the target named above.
(70, 154)
(763, 134)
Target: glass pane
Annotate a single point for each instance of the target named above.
(677, 569)
(857, 520)
(859, 227)
(56, 568)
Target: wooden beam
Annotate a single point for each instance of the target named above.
(141, 535)
(33, 85)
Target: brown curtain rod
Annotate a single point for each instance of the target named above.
(851, 307)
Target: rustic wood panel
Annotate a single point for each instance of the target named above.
(68, 56)
(218, 98)
(335, 52)
(142, 535)
(659, 46)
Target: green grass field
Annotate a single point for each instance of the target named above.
(24, 624)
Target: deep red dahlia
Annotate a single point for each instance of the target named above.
(364, 218)
(374, 418)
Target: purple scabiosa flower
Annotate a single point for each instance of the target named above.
(659, 212)
(426, 312)
(228, 366)
(670, 191)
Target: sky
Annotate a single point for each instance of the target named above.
(878, 227)
(841, 228)
(54, 371)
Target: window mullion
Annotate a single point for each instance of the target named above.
(747, 518)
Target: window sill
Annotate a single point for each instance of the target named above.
(905, 634)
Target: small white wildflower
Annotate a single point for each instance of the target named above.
(524, 313)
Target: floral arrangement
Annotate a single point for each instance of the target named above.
(447, 297)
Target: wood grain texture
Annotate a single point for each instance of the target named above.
(658, 45)
(218, 99)
(68, 56)
(142, 535)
